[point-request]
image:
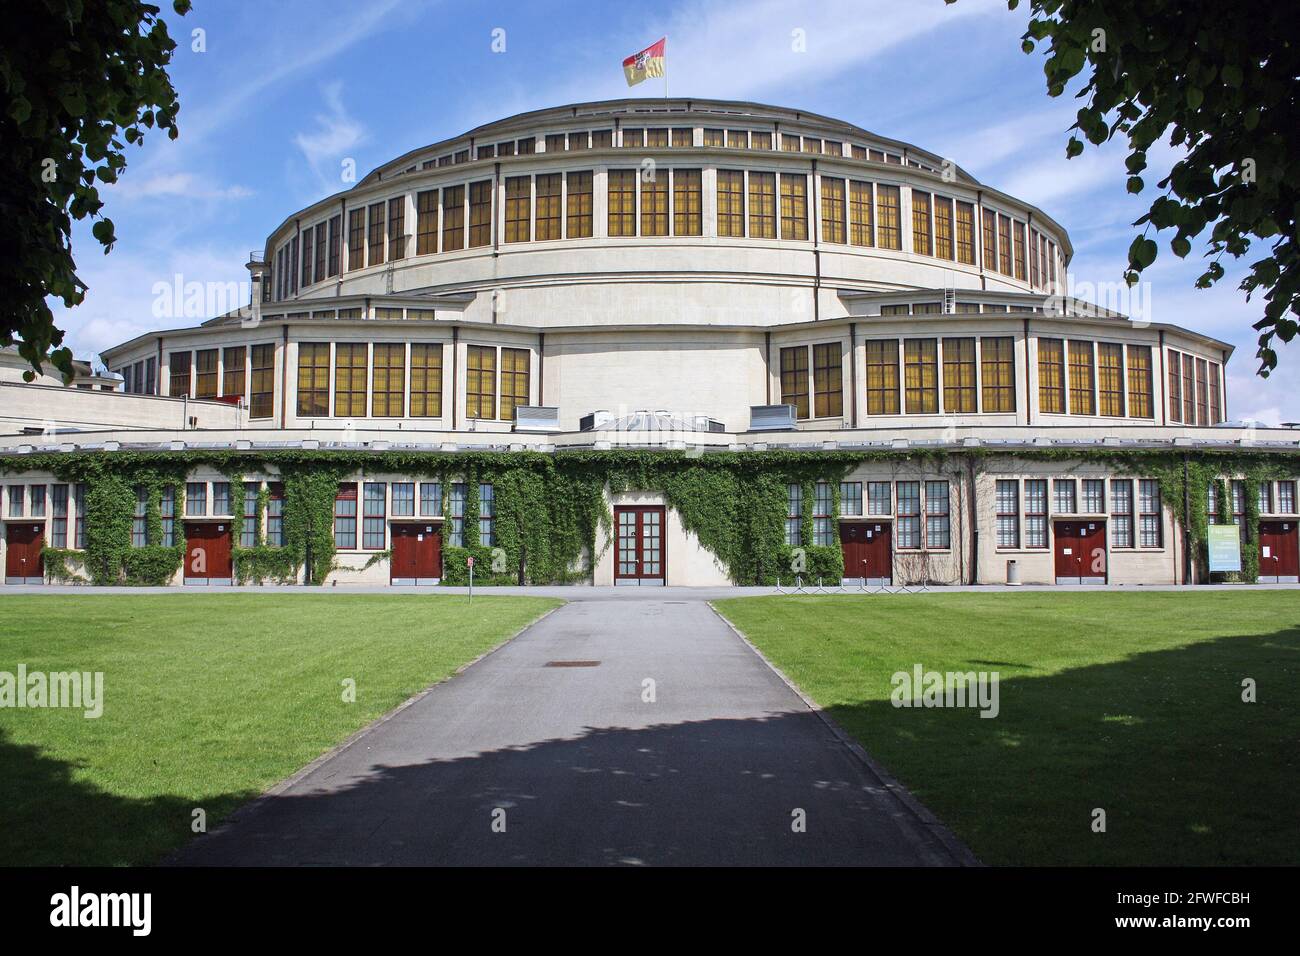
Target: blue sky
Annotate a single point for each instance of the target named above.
(286, 91)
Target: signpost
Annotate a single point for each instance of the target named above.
(1224, 546)
(470, 562)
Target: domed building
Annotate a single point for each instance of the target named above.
(708, 287)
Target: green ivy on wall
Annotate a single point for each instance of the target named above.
(549, 509)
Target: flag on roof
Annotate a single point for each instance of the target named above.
(649, 62)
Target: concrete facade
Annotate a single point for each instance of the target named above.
(616, 261)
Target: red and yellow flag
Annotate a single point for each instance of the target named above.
(649, 62)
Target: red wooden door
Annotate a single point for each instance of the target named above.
(207, 551)
(867, 550)
(639, 545)
(24, 551)
(1080, 552)
(417, 552)
(1279, 551)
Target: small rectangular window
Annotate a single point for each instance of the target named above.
(882, 376)
(1121, 512)
(860, 230)
(959, 375)
(888, 233)
(1110, 379)
(373, 516)
(1149, 513)
(456, 518)
(426, 380)
(396, 228)
(403, 493)
(621, 203)
(823, 522)
(232, 371)
(221, 504)
(920, 223)
(880, 499)
(1094, 496)
(578, 205)
(518, 208)
(178, 374)
(794, 515)
(938, 528)
(196, 499)
(833, 210)
(851, 498)
(1008, 514)
(1064, 497)
(430, 499)
(909, 515)
(1051, 376)
(998, 373)
(828, 381)
(248, 523)
(375, 235)
(487, 515)
(453, 218)
(350, 359)
(1140, 403)
(921, 376)
(1081, 378)
(687, 203)
(762, 205)
(345, 517)
(481, 382)
(731, 202)
(138, 520)
(794, 379)
(1036, 513)
(275, 515)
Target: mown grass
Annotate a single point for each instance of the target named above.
(1126, 702)
(208, 701)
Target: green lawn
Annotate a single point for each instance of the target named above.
(1129, 702)
(208, 700)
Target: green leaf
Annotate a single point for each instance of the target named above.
(1073, 148)
(1195, 97)
(1232, 75)
(1181, 247)
(1142, 253)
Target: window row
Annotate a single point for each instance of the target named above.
(1082, 377)
(381, 501)
(670, 137)
(397, 380)
(1023, 509)
(1195, 394)
(61, 503)
(921, 512)
(905, 376)
(660, 201)
(244, 372)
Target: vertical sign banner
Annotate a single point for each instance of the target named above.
(1224, 542)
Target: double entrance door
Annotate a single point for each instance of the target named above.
(24, 552)
(1080, 552)
(207, 553)
(639, 545)
(417, 553)
(1279, 556)
(868, 551)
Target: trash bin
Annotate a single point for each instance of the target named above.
(1013, 572)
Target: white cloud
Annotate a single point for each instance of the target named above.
(336, 132)
(176, 185)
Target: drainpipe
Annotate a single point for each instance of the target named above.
(816, 228)
(1187, 522)
(284, 371)
(853, 373)
(767, 365)
(1029, 395)
(974, 522)
(455, 364)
